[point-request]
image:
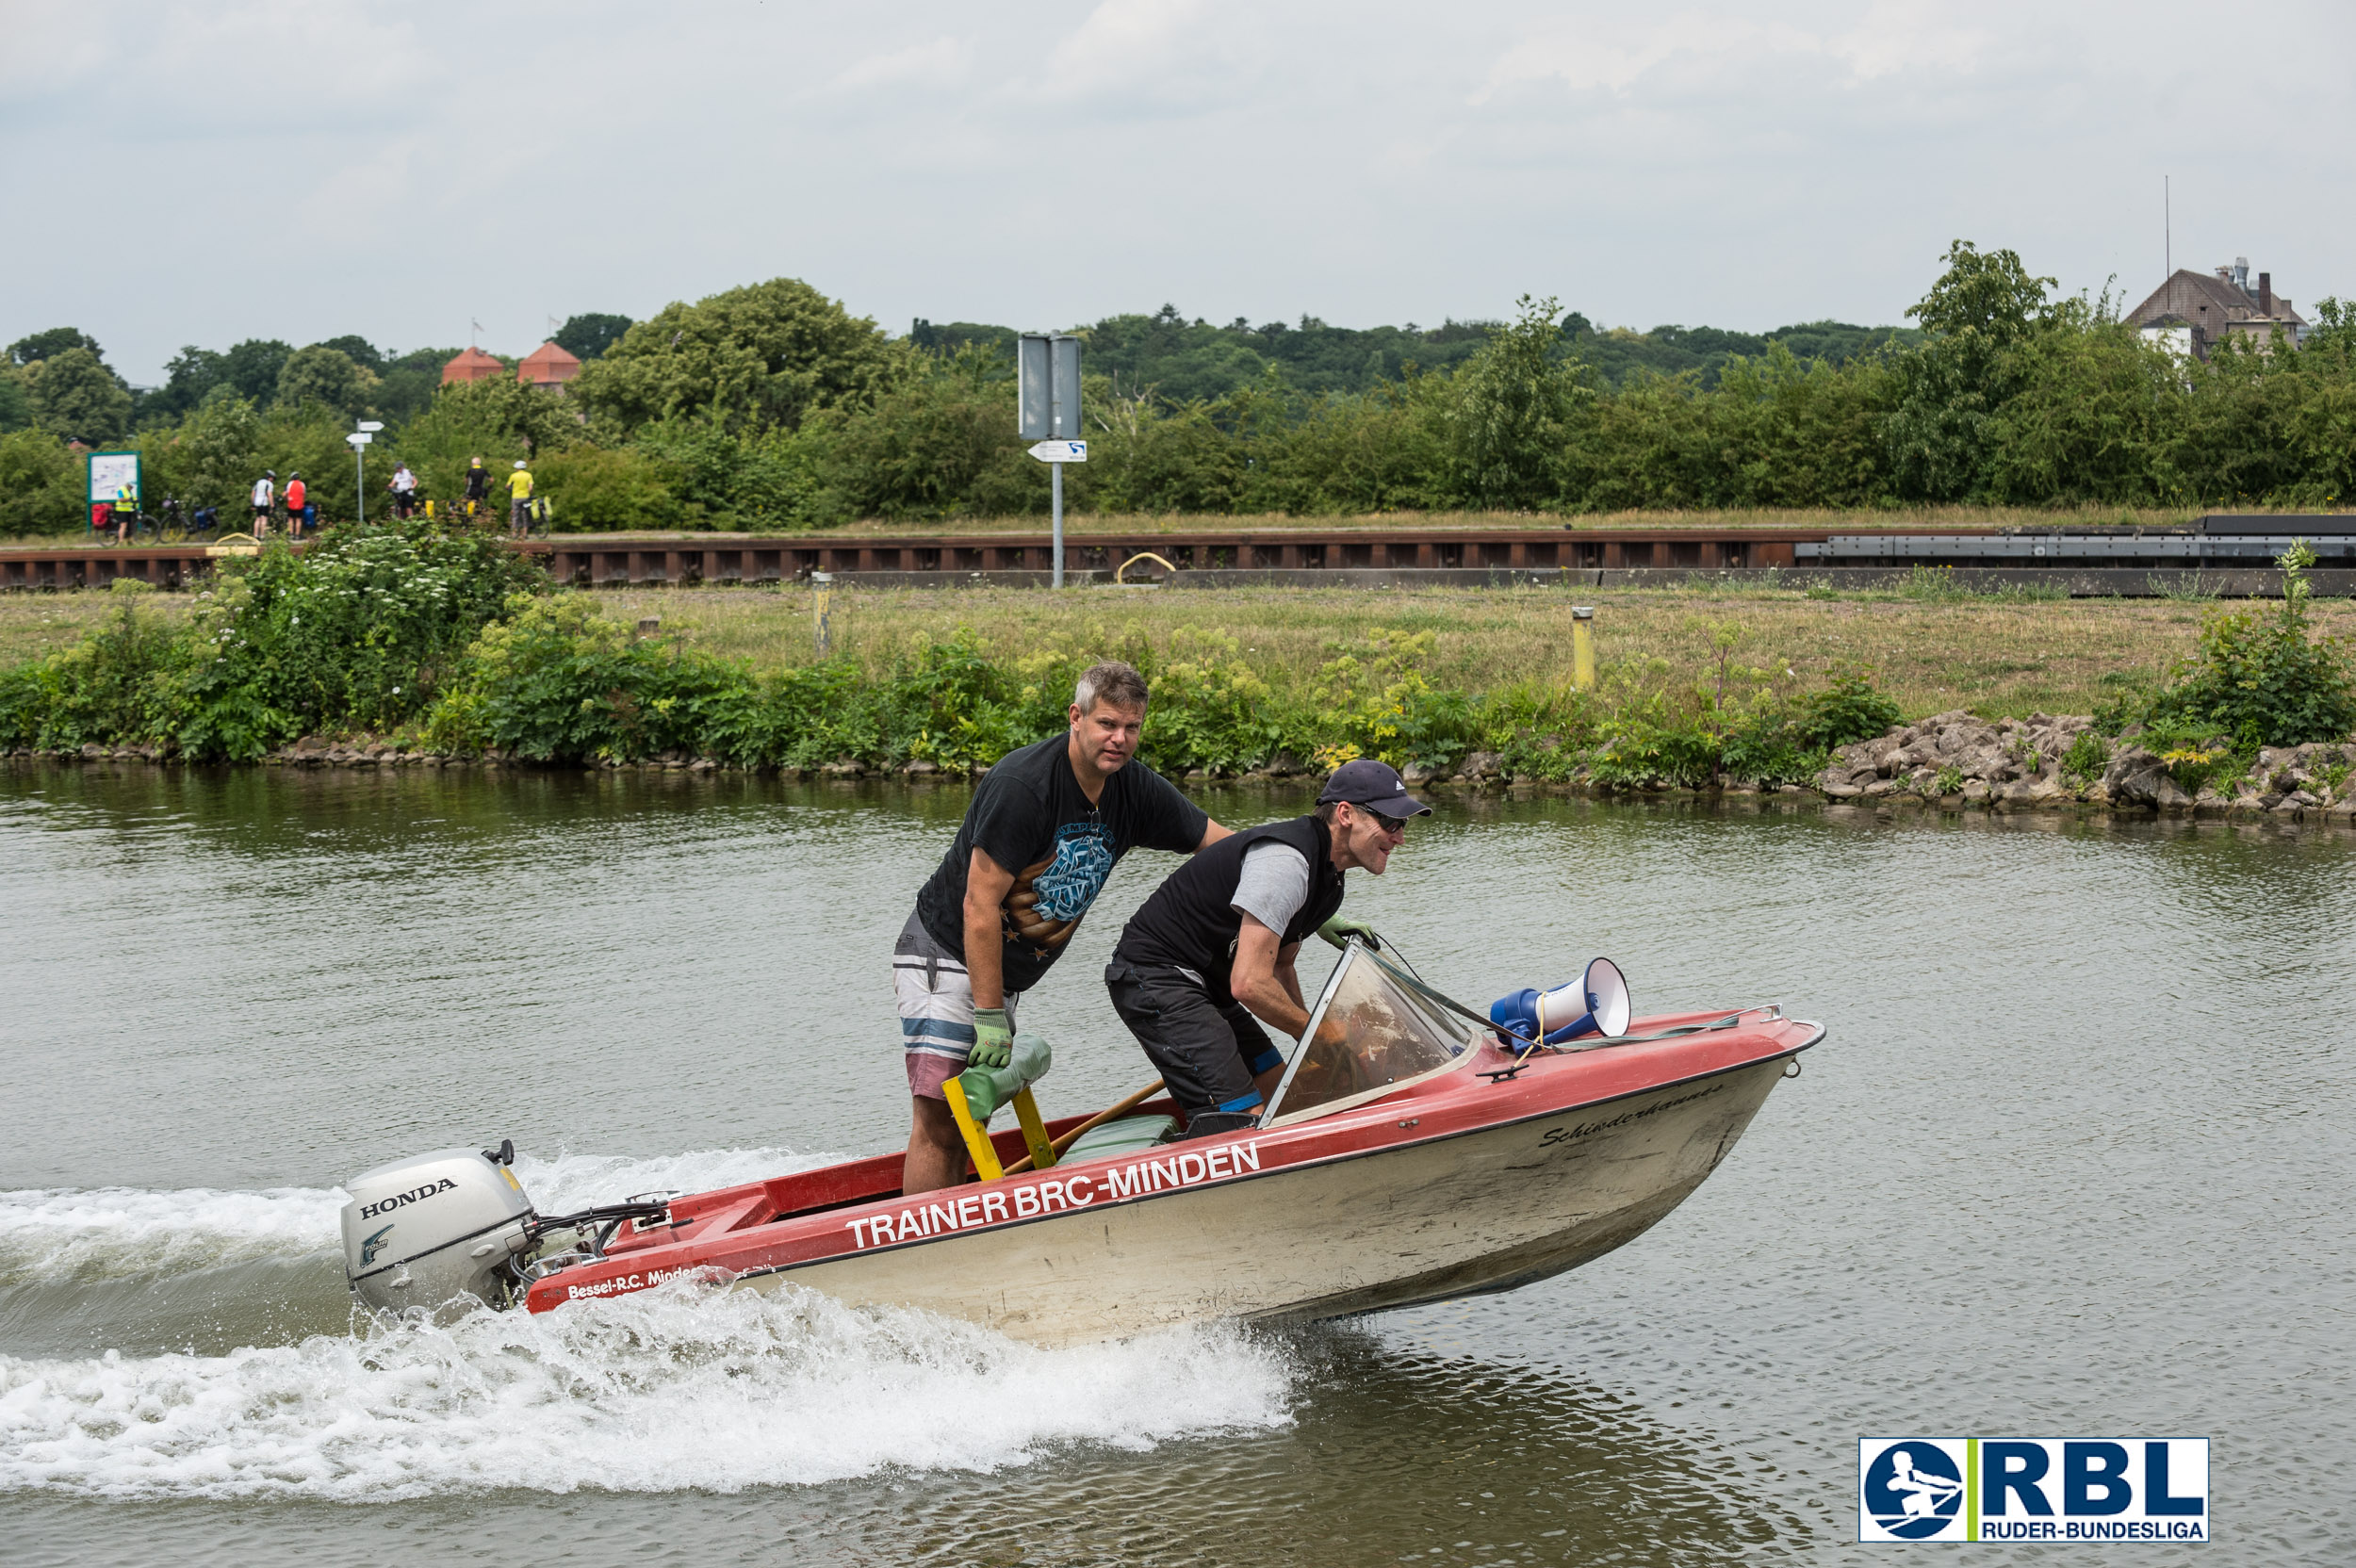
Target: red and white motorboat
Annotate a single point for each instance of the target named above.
(1409, 1157)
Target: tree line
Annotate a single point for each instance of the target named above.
(771, 407)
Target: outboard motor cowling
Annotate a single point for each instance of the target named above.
(425, 1231)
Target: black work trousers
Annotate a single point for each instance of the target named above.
(1207, 1049)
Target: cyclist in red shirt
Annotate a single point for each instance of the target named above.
(295, 493)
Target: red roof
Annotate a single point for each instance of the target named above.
(547, 366)
(473, 365)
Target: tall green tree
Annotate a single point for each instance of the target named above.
(498, 419)
(75, 396)
(328, 377)
(252, 368)
(586, 336)
(760, 356)
(1515, 401)
(357, 348)
(56, 340)
(41, 485)
(1980, 313)
(211, 458)
(16, 403)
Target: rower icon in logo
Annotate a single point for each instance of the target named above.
(1913, 1490)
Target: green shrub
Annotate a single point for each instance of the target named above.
(41, 485)
(1211, 710)
(2087, 755)
(2259, 679)
(620, 489)
(556, 681)
(1651, 745)
(361, 631)
(2192, 766)
(1542, 732)
(1375, 700)
(1772, 745)
(1848, 708)
(114, 687)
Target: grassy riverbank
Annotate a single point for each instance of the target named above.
(452, 645)
(1997, 657)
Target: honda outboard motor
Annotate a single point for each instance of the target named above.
(422, 1231)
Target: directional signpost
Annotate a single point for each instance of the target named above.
(1047, 404)
(360, 439)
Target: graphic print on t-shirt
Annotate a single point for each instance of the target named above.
(1048, 899)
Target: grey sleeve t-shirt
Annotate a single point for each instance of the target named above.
(1274, 885)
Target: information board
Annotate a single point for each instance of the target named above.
(114, 477)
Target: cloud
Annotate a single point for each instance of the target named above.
(318, 167)
(1614, 55)
(1161, 55)
(1123, 40)
(1906, 35)
(1588, 61)
(937, 63)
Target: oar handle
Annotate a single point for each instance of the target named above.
(1110, 1113)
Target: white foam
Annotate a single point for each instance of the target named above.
(104, 1232)
(101, 1233)
(571, 1182)
(687, 1386)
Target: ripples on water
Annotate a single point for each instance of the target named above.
(2074, 1161)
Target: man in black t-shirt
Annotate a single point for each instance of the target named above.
(1043, 833)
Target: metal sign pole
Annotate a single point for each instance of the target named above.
(360, 439)
(1047, 404)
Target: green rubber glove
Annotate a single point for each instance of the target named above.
(1341, 928)
(994, 1038)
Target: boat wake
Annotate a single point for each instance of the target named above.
(89, 1234)
(686, 1386)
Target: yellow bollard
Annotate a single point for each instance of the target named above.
(976, 1138)
(1583, 646)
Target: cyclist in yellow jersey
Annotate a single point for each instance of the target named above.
(519, 500)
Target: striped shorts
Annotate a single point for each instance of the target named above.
(936, 1010)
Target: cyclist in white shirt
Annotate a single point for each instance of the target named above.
(264, 489)
(405, 489)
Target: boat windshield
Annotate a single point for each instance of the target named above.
(1371, 1032)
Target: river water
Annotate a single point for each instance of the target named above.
(2074, 1161)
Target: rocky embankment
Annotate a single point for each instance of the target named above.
(1950, 759)
(2047, 761)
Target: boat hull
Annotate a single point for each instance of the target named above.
(1487, 1175)
(1464, 1213)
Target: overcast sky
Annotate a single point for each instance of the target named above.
(300, 169)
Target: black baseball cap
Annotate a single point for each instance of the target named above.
(1373, 785)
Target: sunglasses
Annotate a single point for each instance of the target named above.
(1393, 825)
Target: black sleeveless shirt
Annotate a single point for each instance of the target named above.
(1190, 921)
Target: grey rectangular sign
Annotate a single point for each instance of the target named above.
(1064, 414)
(1034, 397)
(1047, 386)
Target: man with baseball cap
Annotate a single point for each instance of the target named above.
(1209, 956)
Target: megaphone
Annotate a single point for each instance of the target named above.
(1595, 1004)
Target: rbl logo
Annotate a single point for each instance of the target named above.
(2033, 1489)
